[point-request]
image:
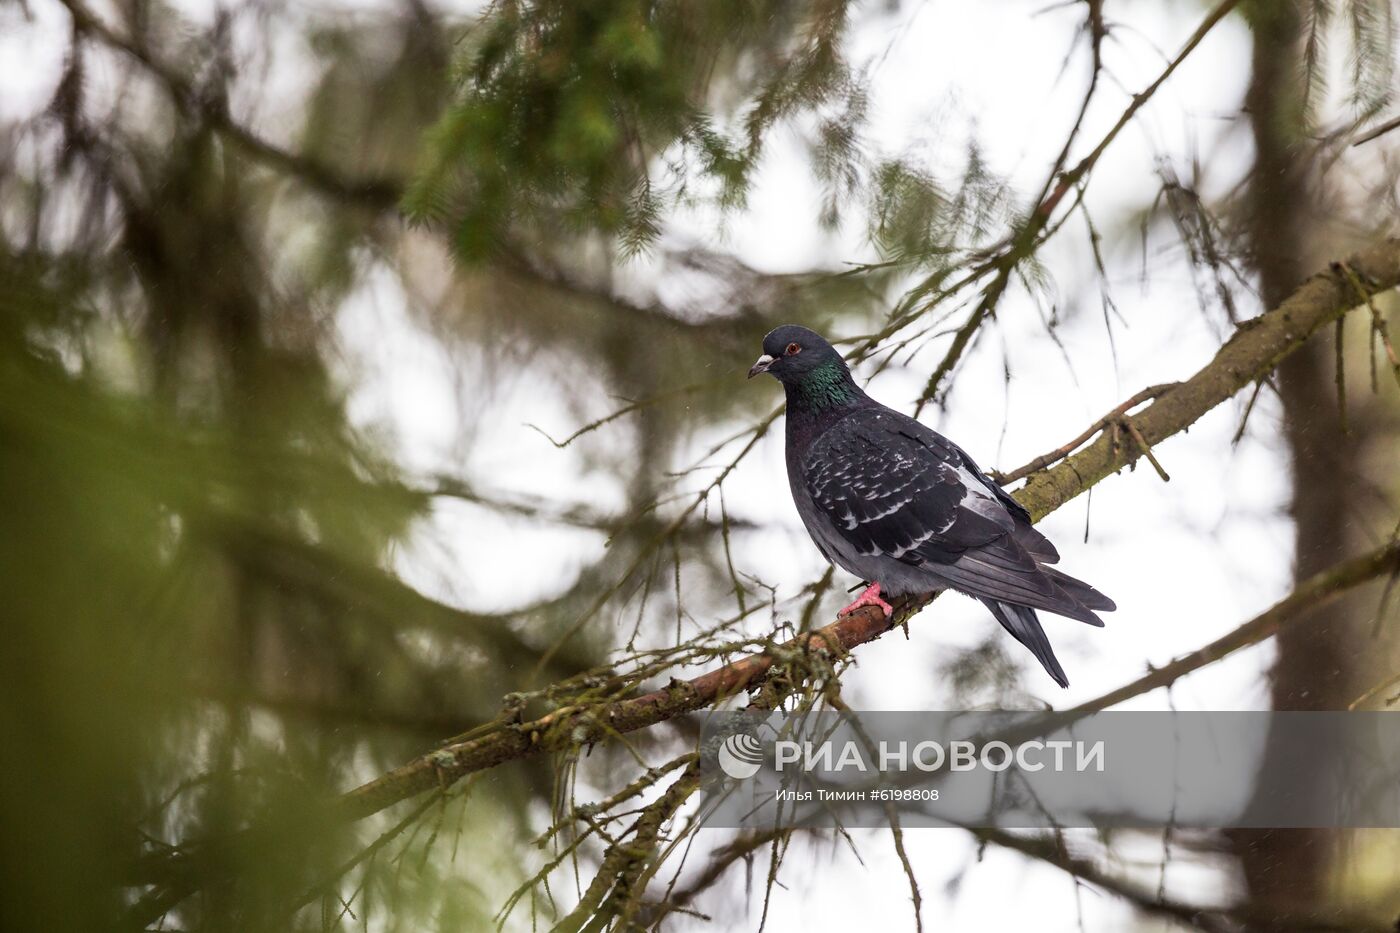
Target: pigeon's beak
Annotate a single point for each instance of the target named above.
(761, 366)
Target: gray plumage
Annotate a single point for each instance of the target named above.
(896, 503)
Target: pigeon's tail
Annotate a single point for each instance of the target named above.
(1022, 623)
(1079, 591)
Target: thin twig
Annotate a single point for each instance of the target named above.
(622, 864)
(1379, 131)
(1036, 229)
(1060, 453)
(1143, 446)
(1340, 374)
(1378, 324)
(1315, 591)
(1248, 410)
(1373, 692)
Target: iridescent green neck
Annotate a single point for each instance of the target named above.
(827, 386)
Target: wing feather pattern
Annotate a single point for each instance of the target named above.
(890, 487)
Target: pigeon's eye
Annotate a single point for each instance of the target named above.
(793, 349)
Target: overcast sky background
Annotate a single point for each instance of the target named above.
(1185, 561)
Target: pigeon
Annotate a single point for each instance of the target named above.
(905, 509)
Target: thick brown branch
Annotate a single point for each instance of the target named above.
(570, 727)
(1252, 353)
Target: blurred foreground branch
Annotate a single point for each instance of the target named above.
(375, 193)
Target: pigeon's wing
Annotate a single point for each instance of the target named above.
(1025, 534)
(889, 493)
(892, 487)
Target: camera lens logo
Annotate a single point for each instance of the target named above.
(740, 756)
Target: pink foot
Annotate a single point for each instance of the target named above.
(871, 597)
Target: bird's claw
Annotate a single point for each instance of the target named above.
(869, 597)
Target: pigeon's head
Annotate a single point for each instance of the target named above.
(791, 353)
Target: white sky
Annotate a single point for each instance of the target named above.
(1185, 561)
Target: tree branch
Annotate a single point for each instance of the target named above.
(1379, 131)
(736, 850)
(1050, 850)
(1028, 238)
(621, 872)
(1060, 453)
(375, 193)
(1257, 346)
(1315, 591)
